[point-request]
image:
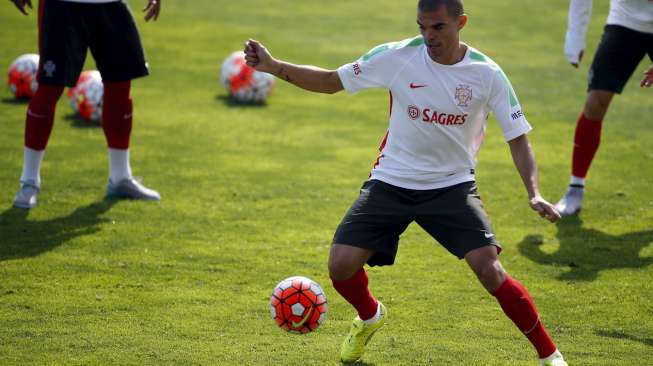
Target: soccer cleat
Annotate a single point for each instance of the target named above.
(572, 201)
(555, 359)
(360, 333)
(27, 194)
(131, 188)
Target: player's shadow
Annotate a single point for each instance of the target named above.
(588, 251)
(621, 335)
(15, 101)
(21, 237)
(77, 121)
(231, 102)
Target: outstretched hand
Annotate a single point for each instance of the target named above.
(648, 78)
(153, 8)
(544, 208)
(580, 58)
(258, 57)
(20, 4)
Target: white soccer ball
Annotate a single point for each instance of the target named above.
(21, 76)
(87, 96)
(243, 83)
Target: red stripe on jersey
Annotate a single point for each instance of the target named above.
(390, 104)
(381, 147)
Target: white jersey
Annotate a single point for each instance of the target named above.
(632, 14)
(438, 112)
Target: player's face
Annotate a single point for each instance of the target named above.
(441, 32)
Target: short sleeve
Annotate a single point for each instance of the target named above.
(506, 108)
(376, 69)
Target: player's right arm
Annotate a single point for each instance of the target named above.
(20, 4)
(580, 12)
(311, 78)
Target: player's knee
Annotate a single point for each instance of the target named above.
(597, 104)
(342, 267)
(491, 274)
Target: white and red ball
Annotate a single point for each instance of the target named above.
(21, 76)
(298, 305)
(243, 83)
(86, 96)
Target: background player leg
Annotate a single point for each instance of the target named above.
(117, 126)
(515, 302)
(586, 143)
(38, 126)
(350, 280)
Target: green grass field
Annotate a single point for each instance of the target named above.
(252, 195)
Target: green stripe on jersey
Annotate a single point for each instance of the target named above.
(481, 57)
(410, 42)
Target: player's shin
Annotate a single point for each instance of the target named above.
(356, 291)
(117, 126)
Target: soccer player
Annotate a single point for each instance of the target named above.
(627, 37)
(67, 28)
(441, 91)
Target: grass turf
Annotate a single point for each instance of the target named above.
(252, 195)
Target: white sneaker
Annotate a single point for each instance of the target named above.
(572, 202)
(133, 189)
(555, 359)
(27, 194)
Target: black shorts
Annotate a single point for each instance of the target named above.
(620, 51)
(454, 216)
(68, 29)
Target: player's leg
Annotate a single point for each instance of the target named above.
(62, 51)
(514, 300)
(619, 52)
(373, 224)
(117, 49)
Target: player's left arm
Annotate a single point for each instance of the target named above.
(152, 10)
(524, 159)
(648, 78)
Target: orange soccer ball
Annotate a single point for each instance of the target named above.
(298, 305)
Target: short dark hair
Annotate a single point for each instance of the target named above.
(454, 7)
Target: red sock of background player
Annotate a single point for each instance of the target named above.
(38, 126)
(586, 143)
(519, 307)
(117, 126)
(357, 293)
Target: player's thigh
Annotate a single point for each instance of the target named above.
(619, 52)
(63, 42)
(116, 44)
(457, 220)
(374, 222)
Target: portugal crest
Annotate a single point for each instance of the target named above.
(463, 95)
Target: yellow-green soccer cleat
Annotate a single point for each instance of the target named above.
(555, 359)
(360, 333)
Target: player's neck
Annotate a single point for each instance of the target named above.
(456, 55)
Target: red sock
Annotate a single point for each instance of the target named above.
(356, 292)
(519, 307)
(117, 114)
(586, 143)
(40, 116)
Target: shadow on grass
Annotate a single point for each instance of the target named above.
(588, 251)
(15, 101)
(357, 363)
(77, 121)
(621, 335)
(24, 238)
(231, 102)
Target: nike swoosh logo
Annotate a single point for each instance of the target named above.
(297, 325)
(488, 235)
(415, 86)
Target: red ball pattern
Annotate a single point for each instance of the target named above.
(298, 305)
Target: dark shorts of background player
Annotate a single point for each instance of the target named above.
(620, 51)
(454, 216)
(68, 29)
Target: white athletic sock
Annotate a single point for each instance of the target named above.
(376, 316)
(32, 165)
(119, 168)
(553, 356)
(577, 181)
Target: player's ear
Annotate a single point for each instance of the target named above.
(462, 20)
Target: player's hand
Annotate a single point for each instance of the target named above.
(580, 58)
(152, 8)
(648, 78)
(20, 4)
(258, 57)
(544, 208)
